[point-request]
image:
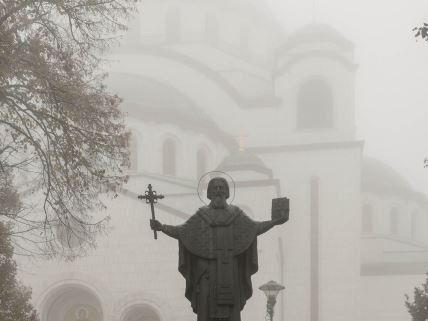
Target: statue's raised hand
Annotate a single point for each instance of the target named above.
(156, 225)
(280, 210)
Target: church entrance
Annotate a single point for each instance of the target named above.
(73, 303)
(141, 312)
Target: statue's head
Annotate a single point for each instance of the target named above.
(218, 191)
(217, 186)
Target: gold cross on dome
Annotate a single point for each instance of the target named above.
(241, 139)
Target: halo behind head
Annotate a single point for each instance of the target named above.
(215, 174)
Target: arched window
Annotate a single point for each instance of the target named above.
(244, 41)
(315, 105)
(133, 149)
(393, 229)
(173, 24)
(141, 312)
(414, 224)
(211, 28)
(201, 163)
(169, 158)
(72, 234)
(367, 220)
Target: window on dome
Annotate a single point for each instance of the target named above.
(173, 24)
(211, 28)
(169, 158)
(393, 221)
(71, 234)
(367, 220)
(201, 163)
(315, 105)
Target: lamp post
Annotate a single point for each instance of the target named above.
(271, 290)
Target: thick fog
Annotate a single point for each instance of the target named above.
(391, 78)
(323, 102)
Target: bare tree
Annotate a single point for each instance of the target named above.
(59, 127)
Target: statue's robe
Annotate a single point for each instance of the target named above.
(217, 256)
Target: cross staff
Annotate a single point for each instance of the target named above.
(151, 197)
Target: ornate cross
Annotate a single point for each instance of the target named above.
(151, 198)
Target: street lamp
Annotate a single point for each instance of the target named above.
(271, 289)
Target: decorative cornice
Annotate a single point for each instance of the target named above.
(396, 238)
(377, 269)
(247, 167)
(388, 190)
(189, 184)
(243, 184)
(261, 183)
(306, 147)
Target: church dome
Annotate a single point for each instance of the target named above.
(150, 100)
(379, 178)
(244, 161)
(315, 33)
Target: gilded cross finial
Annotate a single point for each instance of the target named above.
(241, 139)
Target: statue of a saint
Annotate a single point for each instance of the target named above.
(218, 253)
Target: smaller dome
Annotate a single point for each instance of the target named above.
(316, 32)
(380, 178)
(244, 161)
(377, 173)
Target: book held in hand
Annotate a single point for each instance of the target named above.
(280, 208)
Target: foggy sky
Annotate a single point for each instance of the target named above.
(392, 77)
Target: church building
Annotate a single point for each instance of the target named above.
(222, 86)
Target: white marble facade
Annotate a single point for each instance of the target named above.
(194, 75)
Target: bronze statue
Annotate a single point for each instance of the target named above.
(218, 253)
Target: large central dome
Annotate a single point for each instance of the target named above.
(150, 100)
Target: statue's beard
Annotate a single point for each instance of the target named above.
(218, 201)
